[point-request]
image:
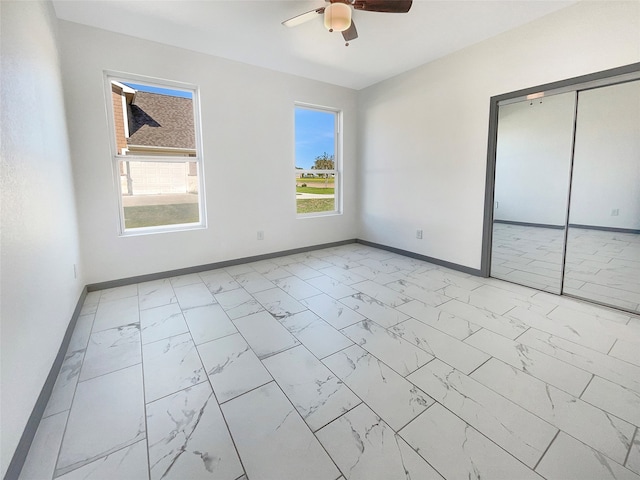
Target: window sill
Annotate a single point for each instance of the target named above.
(318, 214)
(136, 232)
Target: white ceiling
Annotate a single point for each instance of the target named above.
(251, 32)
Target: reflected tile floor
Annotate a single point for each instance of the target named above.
(348, 363)
(528, 255)
(602, 266)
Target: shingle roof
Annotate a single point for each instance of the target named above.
(161, 121)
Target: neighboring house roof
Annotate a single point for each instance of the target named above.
(123, 88)
(161, 121)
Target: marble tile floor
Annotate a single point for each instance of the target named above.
(601, 266)
(346, 363)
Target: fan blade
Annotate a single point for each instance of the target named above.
(303, 17)
(386, 6)
(350, 33)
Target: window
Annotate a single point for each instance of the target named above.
(157, 159)
(317, 166)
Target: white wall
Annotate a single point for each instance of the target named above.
(533, 160)
(39, 239)
(606, 168)
(248, 133)
(423, 135)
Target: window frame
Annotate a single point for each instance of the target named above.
(337, 160)
(117, 157)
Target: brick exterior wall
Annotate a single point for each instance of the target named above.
(118, 119)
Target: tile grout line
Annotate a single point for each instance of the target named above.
(363, 401)
(206, 373)
(587, 386)
(546, 449)
(573, 343)
(475, 429)
(144, 393)
(474, 370)
(248, 391)
(112, 371)
(164, 340)
(213, 339)
(633, 438)
(516, 339)
(544, 354)
(336, 377)
(73, 398)
(338, 351)
(294, 409)
(91, 332)
(411, 446)
(273, 354)
(397, 435)
(546, 421)
(215, 397)
(380, 360)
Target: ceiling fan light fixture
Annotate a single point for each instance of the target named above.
(337, 17)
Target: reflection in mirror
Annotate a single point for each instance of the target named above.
(533, 162)
(603, 242)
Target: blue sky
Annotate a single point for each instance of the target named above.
(162, 91)
(314, 135)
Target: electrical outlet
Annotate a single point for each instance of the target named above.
(615, 212)
(497, 205)
(260, 235)
(419, 234)
(75, 271)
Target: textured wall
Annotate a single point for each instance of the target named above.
(39, 239)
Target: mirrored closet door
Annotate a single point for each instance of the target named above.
(533, 164)
(603, 239)
(566, 197)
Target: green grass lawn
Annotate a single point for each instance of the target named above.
(154, 215)
(315, 205)
(316, 190)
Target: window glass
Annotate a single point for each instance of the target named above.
(159, 193)
(157, 162)
(316, 171)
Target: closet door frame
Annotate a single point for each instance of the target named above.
(585, 82)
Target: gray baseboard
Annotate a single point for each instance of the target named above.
(239, 261)
(605, 229)
(436, 261)
(30, 429)
(210, 266)
(574, 225)
(529, 224)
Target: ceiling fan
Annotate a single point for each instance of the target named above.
(338, 14)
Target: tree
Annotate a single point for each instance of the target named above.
(324, 162)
